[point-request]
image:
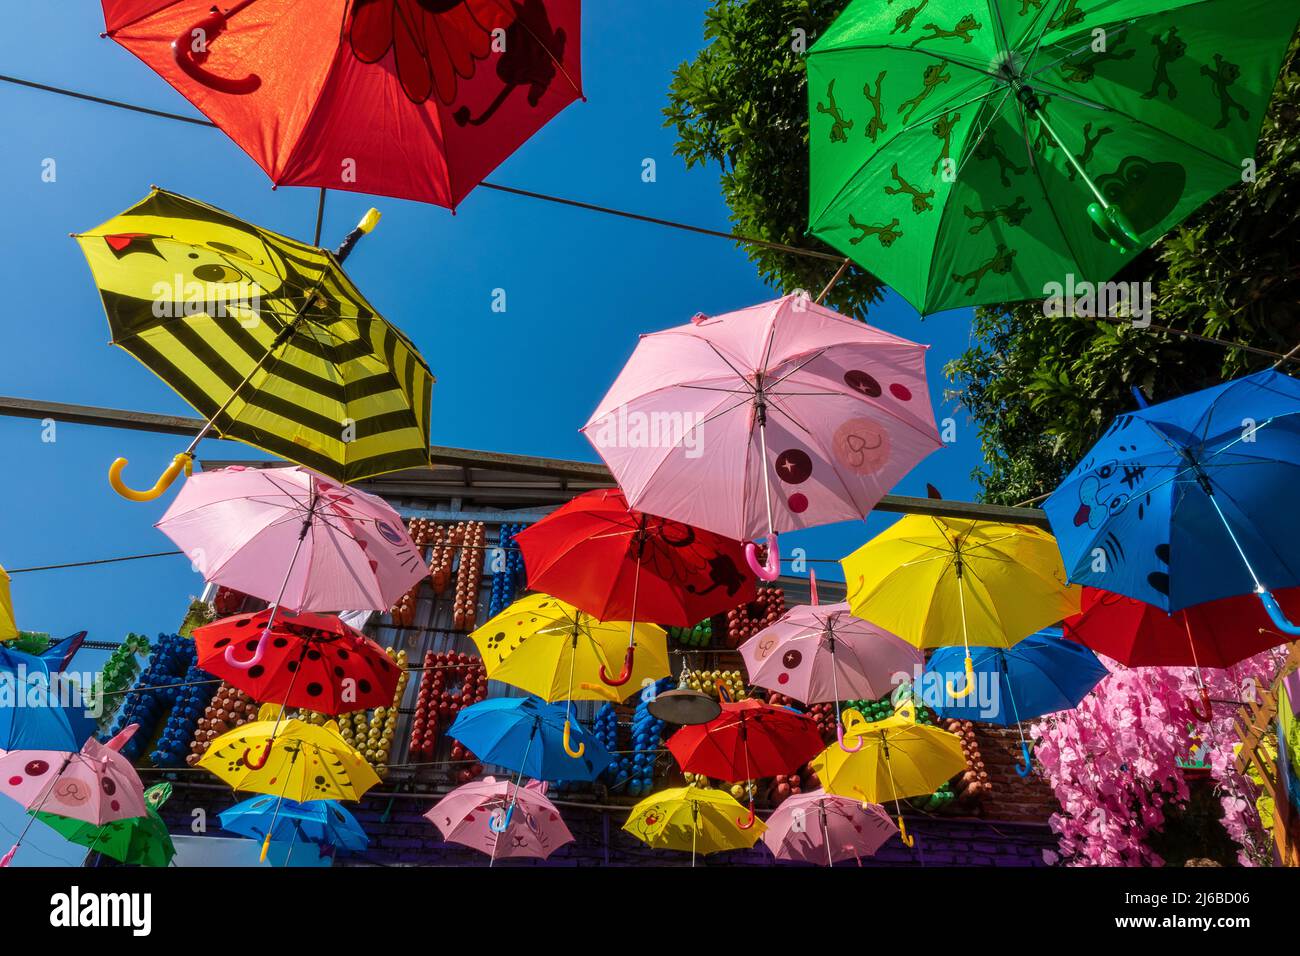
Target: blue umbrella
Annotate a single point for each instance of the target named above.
(323, 822)
(530, 737)
(1039, 675)
(1190, 500)
(39, 710)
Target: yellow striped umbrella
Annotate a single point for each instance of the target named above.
(8, 629)
(265, 336)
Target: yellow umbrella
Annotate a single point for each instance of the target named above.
(697, 819)
(549, 648)
(944, 581)
(895, 758)
(8, 629)
(299, 761)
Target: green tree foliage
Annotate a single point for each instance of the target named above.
(742, 103)
(1040, 390)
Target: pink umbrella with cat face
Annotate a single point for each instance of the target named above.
(479, 815)
(818, 827)
(784, 415)
(95, 784)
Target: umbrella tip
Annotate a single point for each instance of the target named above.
(698, 317)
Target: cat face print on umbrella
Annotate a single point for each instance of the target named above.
(1187, 501)
(302, 87)
(979, 151)
(784, 415)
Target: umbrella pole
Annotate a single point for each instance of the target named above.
(1206, 709)
(835, 689)
(1265, 595)
(826, 833)
(31, 817)
(965, 636)
(630, 654)
(275, 815)
(893, 788)
(93, 843)
(771, 570)
(1015, 712)
(574, 752)
(695, 829)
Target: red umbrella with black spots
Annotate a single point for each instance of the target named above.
(312, 661)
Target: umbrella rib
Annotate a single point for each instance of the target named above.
(1042, 185)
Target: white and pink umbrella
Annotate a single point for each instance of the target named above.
(784, 415)
(818, 827)
(295, 539)
(95, 784)
(821, 652)
(501, 819)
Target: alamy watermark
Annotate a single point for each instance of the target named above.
(635, 429)
(1114, 300)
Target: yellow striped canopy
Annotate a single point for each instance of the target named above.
(215, 306)
(8, 629)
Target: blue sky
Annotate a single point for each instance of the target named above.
(580, 288)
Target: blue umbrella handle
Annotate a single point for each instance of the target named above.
(1028, 757)
(504, 825)
(1275, 612)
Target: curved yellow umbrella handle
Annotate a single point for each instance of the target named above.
(266, 845)
(907, 838)
(970, 682)
(182, 462)
(568, 747)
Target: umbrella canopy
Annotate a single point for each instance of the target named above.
(265, 336)
(897, 758)
(323, 822)
(419, 100)
(8, 629)
(549, 648)
(984, 150)
(942, 581)
(1214, 634)
(471, 815)
(820, 652)
(821, 828)
(620, 564)
(784, 415)
(135, 841)
(45, 710)
(311, 661)
(748, 740)
(298, 761)
(1040, 675)
(1181, 502)
(295, 539)
(693, 819)
(527, 736)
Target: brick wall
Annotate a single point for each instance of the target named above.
(400, 836)
(1014, 799)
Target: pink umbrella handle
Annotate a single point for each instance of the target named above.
(8, 857)
(747, 824)
(261, 762)
(772, 569)
(839, 738)
(252, 661)
(210, 27)
(625, 675)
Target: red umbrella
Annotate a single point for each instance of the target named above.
(1215, 634)
(748, 740)
(312, 661)
(418, 99)
(619, 564)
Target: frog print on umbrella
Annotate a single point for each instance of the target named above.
(1026, 4)
(961, 31)
(1146, 191)
(839, 125)
(1070, 15)
(1169, 48)
(1084, 69)
(1222, 77)
(1000, 264)
(920, 200)
(886, 234)
(943, 128)
(1089, 147)
(988, 149)
(877, 124)
(903, 22)
(935, 74)
(1013, 214)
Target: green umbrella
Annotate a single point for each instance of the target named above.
(974, 151)
(138, 841)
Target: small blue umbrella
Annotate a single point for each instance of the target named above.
(1191, 499)
(527, 736)
(323, 822)
(38, 709)
(1039, 675)
(533, 739)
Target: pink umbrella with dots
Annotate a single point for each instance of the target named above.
(784, 415)
(818, 827)
(95, 784)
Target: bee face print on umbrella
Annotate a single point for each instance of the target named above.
(459, 84)
(265, 336)
(977, 151)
